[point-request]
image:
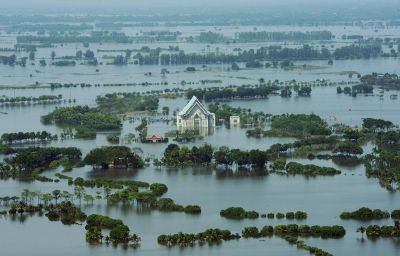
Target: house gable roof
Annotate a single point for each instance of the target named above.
(191, 104)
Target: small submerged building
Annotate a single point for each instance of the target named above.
(154, 138)
(194, 116)
(234, 121)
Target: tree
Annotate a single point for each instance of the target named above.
(279, 164)
(79, 191)
(66, 196)
(88, 198)
(32, 56)
(165, 111)
(157, 163)
(25, 195)
(362, 231)
(89, 54)
(258, 158)
(23, 61)
(107, 192)
(348, 148)
(397, 225)
(235, 66)
(53, 55)
(98, 195)
(78, 54)
(46, 198)
(56, 194)
(223, 156)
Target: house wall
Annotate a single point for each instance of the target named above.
(187, 122)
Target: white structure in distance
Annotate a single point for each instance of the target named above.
(234, 121)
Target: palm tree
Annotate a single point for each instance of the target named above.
(25, 195)
(79, 192)
(56, 194)
(362, 231)
(107, 192)
(66, 195)
(39, 196)
(46, 198)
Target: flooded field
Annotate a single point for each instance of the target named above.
(322, 197)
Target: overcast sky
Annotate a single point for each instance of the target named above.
(157, 5)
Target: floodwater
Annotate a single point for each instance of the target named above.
(323, 198)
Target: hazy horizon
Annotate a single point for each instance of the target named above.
(188, 6)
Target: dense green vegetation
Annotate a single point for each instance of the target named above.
(27, 137)
(262, 36)
(180, 156)
(126, 102)
(375, 231)
(224, 111)
(106, 183)
(305, 230)
(238, 213)
(293, 168)
(376, 125)
(65, 211)
(211, 37)
(395, 214)
(42, 99)
(119, 232)
(83, 132)
(118, 156)
(289, 232)
(82, 116)
(229, 93)
(95, 37)
(302, 245)
(210, 236)
(270, 53)
(175, 155)
(383, 163)
(365, 213)
(298, 125)
(31, 158)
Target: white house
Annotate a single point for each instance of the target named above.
(194, 116)
(234, 121)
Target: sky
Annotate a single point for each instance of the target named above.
(187, 5)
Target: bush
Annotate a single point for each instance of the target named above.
(238, 213)
(267, 231)
(250, 232)
(365, 213)
(300, 215)
(290, 215)
(280, 215)
(192, 209)
(252, 214)
(158, 189)
(395, 214)
(304, 229)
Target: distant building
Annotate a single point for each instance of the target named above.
(194, 116)
(154, 138)
(234, 121)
